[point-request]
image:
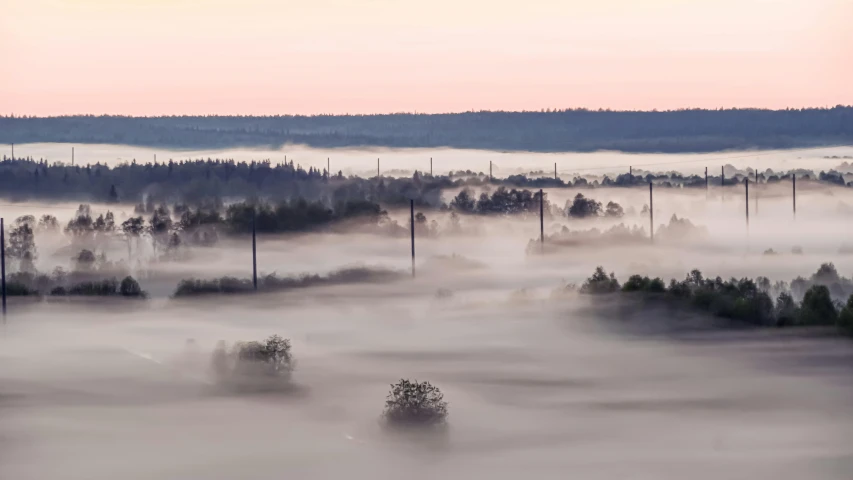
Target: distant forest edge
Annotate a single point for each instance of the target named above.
(577, 130)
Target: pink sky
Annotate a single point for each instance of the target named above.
(149, 57)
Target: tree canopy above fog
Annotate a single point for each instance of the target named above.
(694, 130)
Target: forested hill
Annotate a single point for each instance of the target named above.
(558, 130)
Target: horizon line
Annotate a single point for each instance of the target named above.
(416, 113)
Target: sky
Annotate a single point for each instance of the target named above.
(155, 57)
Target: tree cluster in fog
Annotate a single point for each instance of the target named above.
(267, 364)
(747, 301)
(678, 230)
(691, 130)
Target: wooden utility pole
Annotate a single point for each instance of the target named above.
(651, 215)
(254, 251)
(412, 204)
(755, 194)
(794, 179)
(3, 267)
(430, 166)
(555, 170)
(542, 220)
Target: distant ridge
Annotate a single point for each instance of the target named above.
(578, 130)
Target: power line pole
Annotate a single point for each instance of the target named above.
(254, 251)
(651, 215)
(412, 204)
(3, 267)
(377, 168)
(430, 166)
(794, 179)
(746, 184)
(756, 193)
(542, 220)
(555, 170)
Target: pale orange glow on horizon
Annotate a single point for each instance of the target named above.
(148, 57)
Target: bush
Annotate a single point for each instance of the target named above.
(415, 403)
(130, 288)
(95, 288)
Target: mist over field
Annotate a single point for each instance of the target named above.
(540, 380)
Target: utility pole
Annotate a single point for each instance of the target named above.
(3, 267)
(412, 203)
(542, 220)
(651, 214)
(746, 183)
(72, 156)
(555, 170)
(756, 193)
(794, 178)
(377, 168)
(430, 166)
(254, 251)
(13, 151)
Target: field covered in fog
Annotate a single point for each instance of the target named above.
(547, 371)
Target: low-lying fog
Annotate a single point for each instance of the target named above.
(402, 162)
(536, 386)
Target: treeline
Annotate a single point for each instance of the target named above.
(745, 301)
(213, 181)
(193, 287)
(694, 130)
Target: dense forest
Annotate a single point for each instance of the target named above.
(580, 130)
(213, 182)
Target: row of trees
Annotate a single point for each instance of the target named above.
(208, 182)
(743, 300)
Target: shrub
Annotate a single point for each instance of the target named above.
(415, 403)
(95, 288)
(130, 288)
